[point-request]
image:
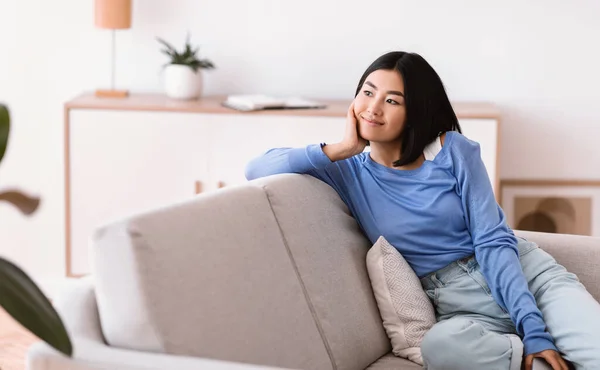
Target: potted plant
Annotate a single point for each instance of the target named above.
(183, 73)
(19, 295)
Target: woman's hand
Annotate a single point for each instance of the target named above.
(352, 140)
(552, 358)
(352, 144)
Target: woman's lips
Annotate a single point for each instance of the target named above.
(371, 122)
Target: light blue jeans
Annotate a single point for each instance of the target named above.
(474, 332)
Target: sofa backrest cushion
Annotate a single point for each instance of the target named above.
(329, 252)
(212, 277)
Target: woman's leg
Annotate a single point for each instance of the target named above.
(571, 314)
(473, 332)
(462, 343)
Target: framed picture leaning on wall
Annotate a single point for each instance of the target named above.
(553, 206)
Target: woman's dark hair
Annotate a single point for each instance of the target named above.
(428, 109)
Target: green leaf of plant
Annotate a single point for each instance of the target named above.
(188, 56)
(26, 204)
(206, 64)
(4, 129)
(26, 303)
(167, 45)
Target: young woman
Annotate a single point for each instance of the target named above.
(424, 188)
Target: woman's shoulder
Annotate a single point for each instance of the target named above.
(459, 143)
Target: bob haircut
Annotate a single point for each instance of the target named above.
(428, 109)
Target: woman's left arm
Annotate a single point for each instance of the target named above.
(496, 246)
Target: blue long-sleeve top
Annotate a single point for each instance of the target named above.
(433, 215)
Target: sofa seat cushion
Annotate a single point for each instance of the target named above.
(392, 362)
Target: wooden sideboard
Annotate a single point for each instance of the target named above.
(125, 156)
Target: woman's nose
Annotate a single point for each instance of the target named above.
(374, 107)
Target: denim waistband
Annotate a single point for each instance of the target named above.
(439, 278)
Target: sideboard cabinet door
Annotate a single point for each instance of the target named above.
(122, 163)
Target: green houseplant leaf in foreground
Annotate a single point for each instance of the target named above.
(26, 303)
(4, 129)
(19, 295)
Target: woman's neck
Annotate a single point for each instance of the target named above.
(388, 153)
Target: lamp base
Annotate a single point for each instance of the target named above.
(112, 93)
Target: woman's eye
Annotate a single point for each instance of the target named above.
(367, 93)
(393, 102)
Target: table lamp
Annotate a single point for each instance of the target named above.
(113, 15)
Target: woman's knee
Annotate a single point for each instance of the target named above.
(444, 344)
(542, 272)
(465, 344)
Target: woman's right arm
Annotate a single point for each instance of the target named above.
(312, 159)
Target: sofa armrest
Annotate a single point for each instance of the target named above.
(578, 254)
(76, 305)
(93, 355)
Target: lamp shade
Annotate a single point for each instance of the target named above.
(112, 14)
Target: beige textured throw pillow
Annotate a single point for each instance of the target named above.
(405, 309)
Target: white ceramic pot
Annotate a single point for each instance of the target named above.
(182, 83)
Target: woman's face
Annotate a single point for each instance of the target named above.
(379, 106)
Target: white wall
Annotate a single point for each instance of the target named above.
(538, 60)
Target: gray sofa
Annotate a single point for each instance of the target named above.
(266, 275)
